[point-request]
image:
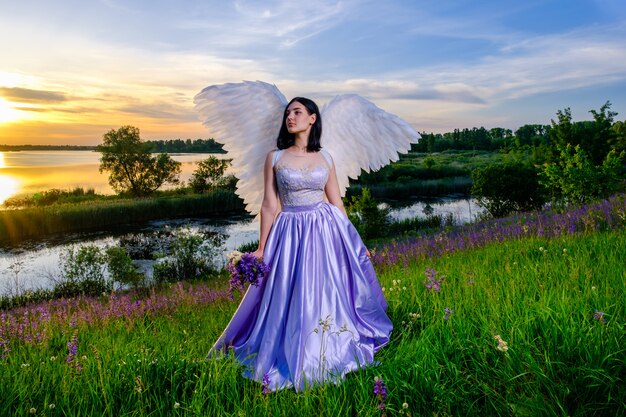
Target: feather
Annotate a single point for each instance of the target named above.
(361, 136)
(245, 117)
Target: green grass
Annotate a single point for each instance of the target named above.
(538, 295)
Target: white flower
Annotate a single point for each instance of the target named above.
(176, 405)
(405, 406)
(51, 406)
(33, 410)
(234, 256)
(53, 358)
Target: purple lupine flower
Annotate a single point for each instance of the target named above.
(72, 348)
(245, 268)
(380, 391)
(599, 315)
(266, 384)
(432, 283)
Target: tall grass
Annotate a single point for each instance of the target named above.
(556, 301)
(16, 225)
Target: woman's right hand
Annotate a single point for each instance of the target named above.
(258, 253)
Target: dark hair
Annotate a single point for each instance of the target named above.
(286, 139)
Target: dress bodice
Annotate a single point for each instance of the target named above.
(301, 179)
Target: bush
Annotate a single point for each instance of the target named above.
(369, 219)
(574, 179)
(507, 187)
(83, 272)
(192, 255)
(121, 268)
(209, 174)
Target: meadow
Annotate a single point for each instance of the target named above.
(521, 316)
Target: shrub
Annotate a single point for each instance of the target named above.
(507, 187)
(368, 217)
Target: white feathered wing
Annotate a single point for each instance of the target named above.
(361, 136)
(245, 117)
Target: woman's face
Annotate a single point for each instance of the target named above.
(298, 119)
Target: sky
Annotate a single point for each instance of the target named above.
(72, 70)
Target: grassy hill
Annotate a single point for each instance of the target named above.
(523, 317)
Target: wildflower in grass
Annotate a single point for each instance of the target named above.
(599, 315)
(433, 283)
(447, 313)
(266, 384)
(176, 406)
(33, 410)
(4, 344)
(502, 346)
(470, 279)
(51, 406)
(72, 349)
(245, 268)
(380, 391)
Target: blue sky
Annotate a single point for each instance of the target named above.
(72, 70)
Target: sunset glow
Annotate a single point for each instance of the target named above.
(452, 65)
(8, 187)
(8, 113)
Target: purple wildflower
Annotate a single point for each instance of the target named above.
(380, 391)
(5, 349)
(72, 348)
(246, 269)
(599, 315)
(447, 313)
(432, 283)
(266, 384)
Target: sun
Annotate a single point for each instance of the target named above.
(8, 113)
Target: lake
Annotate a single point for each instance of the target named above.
(35, 264)
(28, 172)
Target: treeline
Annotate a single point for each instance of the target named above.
(186, 146)
(156, 146)
(595, 136)
(14, 148)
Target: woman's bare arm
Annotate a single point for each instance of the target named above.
(270, 205)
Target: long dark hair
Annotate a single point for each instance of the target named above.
(286, 139)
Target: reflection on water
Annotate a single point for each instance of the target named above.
(8, 187)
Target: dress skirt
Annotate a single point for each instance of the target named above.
(319, 314)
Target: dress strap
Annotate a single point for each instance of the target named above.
(277, 154)
(327, 157)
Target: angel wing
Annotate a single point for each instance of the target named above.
(245, 117)
(361, 136)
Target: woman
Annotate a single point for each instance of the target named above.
(320, 313)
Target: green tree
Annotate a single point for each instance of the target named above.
(131, 166)
(574, 179)
(368, 218)
(508, 187)
(209, 174)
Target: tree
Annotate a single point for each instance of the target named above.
(505, 188)
(574, 179)
(131, 166)
(209, 174)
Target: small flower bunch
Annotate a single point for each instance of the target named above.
(266, 384)
(380, 391)
(599, 316)
(433, 282)
(245, 268)
(502, 345)
(447, 313)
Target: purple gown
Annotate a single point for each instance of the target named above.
(321, 312)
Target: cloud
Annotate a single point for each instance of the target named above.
(27, 95)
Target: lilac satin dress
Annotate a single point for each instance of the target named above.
(321, 312)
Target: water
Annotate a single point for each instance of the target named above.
(36, 264)
(28, 172)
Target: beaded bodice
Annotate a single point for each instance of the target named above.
(301, 179)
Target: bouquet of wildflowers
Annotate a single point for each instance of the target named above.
(245, 268)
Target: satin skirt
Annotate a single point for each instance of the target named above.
(319, 314)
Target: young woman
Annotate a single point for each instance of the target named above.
(321, 312)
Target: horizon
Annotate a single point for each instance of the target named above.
(78, 70)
